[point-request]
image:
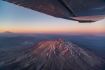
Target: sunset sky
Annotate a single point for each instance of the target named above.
(18, 19)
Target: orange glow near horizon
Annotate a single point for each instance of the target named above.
(59, 29)
(63, 26)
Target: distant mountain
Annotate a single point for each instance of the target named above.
(7, 33)
(10, 34)
(51, 55)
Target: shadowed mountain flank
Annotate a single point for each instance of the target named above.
(52, 55)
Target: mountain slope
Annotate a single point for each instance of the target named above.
(53, 55)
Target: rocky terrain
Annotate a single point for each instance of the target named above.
(50, 55)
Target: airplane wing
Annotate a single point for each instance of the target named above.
(78, 10)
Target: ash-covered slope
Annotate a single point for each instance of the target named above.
(53, 55)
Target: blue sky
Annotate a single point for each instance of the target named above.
(16, 18)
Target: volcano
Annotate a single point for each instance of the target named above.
(51, 55)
